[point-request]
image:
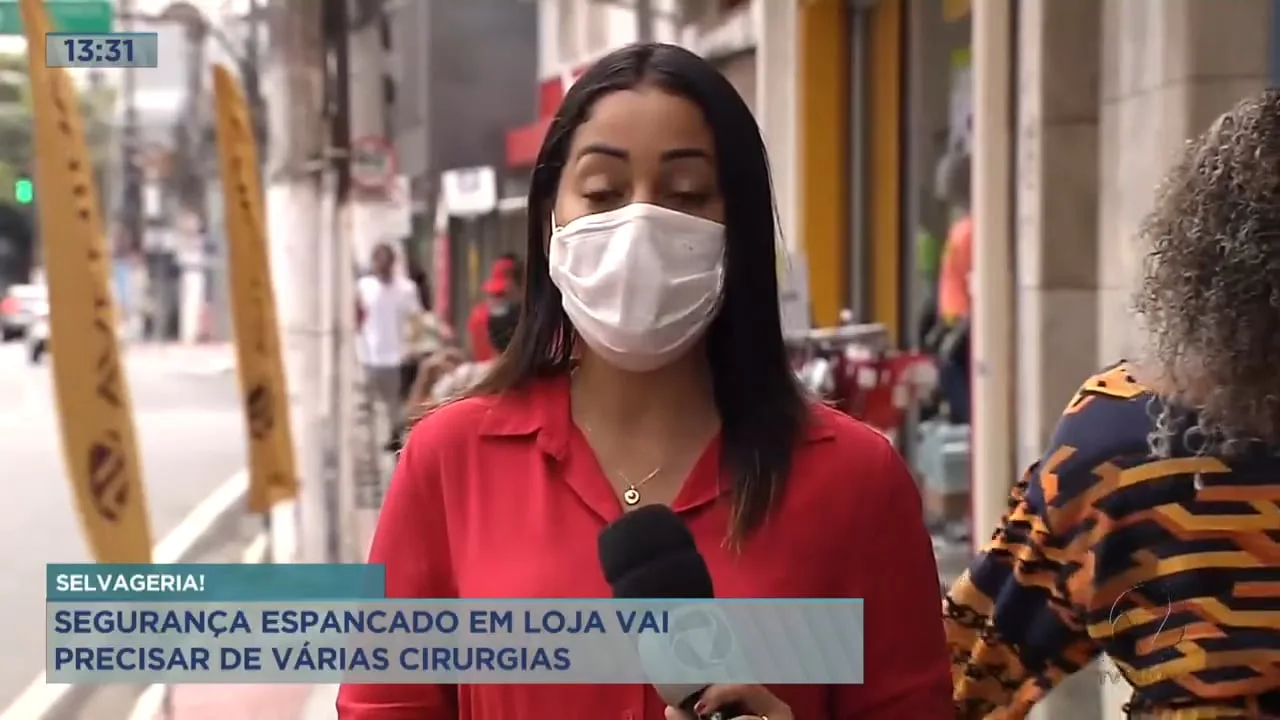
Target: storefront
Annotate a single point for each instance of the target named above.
(938, 125)
(884, 95)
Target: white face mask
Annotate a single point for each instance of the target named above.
(640, 283)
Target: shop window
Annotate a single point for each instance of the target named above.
(938, 130)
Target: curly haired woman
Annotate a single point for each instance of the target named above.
(1150, 528)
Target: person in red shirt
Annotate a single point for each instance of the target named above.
(504, 284)
(648, 367)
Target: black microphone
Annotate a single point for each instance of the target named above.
(649, 554)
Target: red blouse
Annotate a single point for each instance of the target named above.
(501, 497)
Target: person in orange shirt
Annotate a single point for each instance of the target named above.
(954, 301)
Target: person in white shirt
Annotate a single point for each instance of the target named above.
(386, 303)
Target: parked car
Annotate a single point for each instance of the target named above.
(18, 309)
(38, 335)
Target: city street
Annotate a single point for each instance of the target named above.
(190, 430)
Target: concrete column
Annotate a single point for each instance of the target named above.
(1168, 69)
(364, 226)
(776, 111)
(1056, 186)
(1057, 211)
(991, 280)
(368, 118)
(776, 81)
(294, 80)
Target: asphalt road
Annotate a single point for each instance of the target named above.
(191, 434)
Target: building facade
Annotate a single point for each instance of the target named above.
(454, 76)
(1073, 112)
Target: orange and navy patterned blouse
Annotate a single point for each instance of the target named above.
(1169, 565)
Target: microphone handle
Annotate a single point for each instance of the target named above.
(728, 712)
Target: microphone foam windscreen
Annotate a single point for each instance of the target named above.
(649, 553)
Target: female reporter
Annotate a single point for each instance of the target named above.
(648, 366)
(1149, 529)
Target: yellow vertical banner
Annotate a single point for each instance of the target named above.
(99, 445)
(953, 10)
(822, 111)
(272, 476)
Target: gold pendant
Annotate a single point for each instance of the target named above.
(631, 496)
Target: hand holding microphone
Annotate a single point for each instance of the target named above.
(650, 554)
(760, 704)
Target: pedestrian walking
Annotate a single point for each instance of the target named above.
(386, 304)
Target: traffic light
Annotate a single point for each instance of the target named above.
(23, 191)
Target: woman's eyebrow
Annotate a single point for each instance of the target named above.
(596, 148)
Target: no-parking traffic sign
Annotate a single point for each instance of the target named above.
(373, 163)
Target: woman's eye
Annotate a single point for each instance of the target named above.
(691, 199)
(600, 196)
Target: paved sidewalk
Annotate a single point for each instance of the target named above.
(198, 359)
(320, 705)
(242, 702)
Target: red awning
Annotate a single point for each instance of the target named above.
(524, 142)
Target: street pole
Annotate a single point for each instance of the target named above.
(193, 257)
(296, 73)
(131, 218)
(644, 21)
(251, 72)
(340, 103)
(337, 266)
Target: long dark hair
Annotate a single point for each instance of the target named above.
(762, 409)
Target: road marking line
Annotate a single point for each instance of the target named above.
(151, 701)
(201, 520)
(284, 532)
(149, 704)
(40, 697)
(257, 552)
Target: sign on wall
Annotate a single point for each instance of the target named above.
(469, 192)
(373, 163)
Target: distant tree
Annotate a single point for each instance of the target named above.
(15, 122)
(16, 133)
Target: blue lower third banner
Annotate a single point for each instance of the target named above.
(210, 629)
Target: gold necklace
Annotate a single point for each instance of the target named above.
(631, 496)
